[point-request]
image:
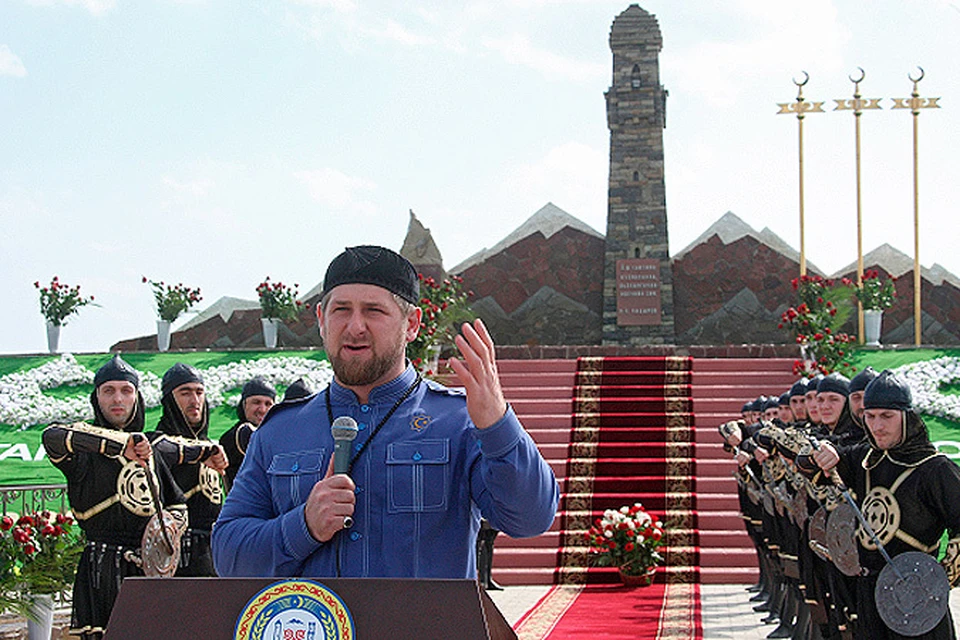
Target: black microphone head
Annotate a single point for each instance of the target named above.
(344, 428)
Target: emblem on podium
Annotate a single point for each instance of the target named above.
(295, 610)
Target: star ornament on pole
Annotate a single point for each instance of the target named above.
(801, 107)
(915, 103)
(858, 105)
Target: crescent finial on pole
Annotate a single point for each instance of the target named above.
(863, 74)
(916, 80)
(806, 79)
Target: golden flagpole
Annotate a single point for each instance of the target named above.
(801, 107)
(858, 106)
(915, 103)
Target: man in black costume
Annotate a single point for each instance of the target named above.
(299, 389)
(909, 491)
(858, 385)
(105, 467)
(256, 398)
(197, 463)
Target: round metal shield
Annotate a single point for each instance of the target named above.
(912, 593)
(159, 560)
(800, 511)
(817, 530)
(842, 539)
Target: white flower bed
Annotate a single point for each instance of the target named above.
(23, 403)
(925, 380)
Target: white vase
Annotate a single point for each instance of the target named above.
(163, 335)
(40, 617)
(53, 337)
(433, 358)
(270, 326)
(872, 321)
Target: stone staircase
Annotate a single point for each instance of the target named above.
(720, 387)
(541, 392)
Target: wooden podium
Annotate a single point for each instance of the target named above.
(208, 608)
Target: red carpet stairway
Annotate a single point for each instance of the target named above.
(619, 430)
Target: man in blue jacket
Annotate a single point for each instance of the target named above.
(427, 463)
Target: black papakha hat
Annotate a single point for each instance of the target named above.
(888, 391)
(784, 400)
(747, 406)
(772, 402)
(799, 388)
(835, 383)
(258, 386)
(177, 375)
(299, 389)
(378, 266)
(860, 381)
(813, 383)
(118, 370)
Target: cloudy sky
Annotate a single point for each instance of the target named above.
(215, 142)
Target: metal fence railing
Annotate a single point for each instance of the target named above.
(23, 499)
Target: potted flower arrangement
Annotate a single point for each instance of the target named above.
(629, 539)
(816, 320)
(444, 308)
(39, 553)
(171, 302)
(277, 302)
(58, 301)
(875, 295)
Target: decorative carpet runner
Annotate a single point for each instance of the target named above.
(632, 441)
(660, 611)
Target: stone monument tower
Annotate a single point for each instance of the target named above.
(637, 278)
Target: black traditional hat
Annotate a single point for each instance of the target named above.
(860, 381)
(814, 382)
(784, 400)
(772, 402)
(177, 375)
(377, 266)
(258, 386)
(799, 388)
(888, 391)
(835, 383)
(747, 406)
(117, 370)
(299, 389)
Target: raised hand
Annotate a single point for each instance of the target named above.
(477, 370)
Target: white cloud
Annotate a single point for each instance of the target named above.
(195, 188)
(96, 7)
(340, 6)
(791, 38)
(572, 175)
(518, 50)
(398, 33)
(335, 189)
(10, 63)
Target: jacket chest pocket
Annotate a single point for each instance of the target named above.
(292, 476)
(418, 474)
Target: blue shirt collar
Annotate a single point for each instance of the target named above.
(385, 393)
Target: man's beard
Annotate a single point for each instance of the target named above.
(356, 373)
(120, 423)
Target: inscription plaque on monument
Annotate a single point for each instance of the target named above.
(638, 291)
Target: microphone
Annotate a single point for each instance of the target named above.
(344, 431)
